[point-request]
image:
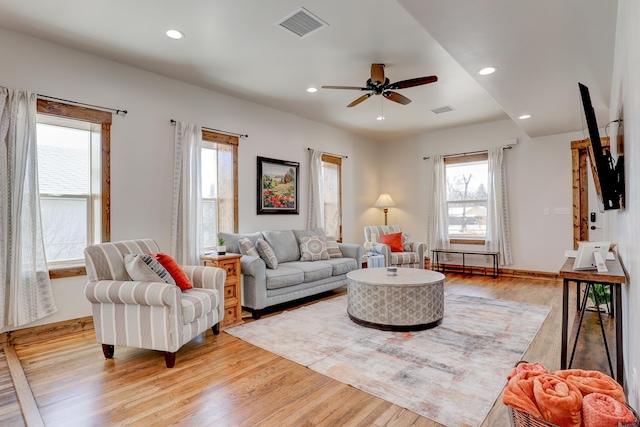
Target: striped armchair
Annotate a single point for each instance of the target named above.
(413, 255)
(151, 315)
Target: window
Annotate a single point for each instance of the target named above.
(332, 179)
(73, 175)
(219, 186)
(466, 178)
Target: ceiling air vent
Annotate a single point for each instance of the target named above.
(441, 110)
(302, 23)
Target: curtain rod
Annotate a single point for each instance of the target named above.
(331, 154)
(173, 122)
(117, 111)
(507, 147)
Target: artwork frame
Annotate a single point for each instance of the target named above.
(277, 186)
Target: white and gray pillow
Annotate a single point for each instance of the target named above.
(266, 253)
(145, 268)
(333, 249)
(247, 247)
(313, 248)
(406, 242)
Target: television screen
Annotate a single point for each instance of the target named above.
(608, 177)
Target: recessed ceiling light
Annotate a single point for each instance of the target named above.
(380, 118)
(312, 89)
(487, 70)
(525, 116)
(174, 34)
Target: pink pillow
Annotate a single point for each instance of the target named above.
(394, 240)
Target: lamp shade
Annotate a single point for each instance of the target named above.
(384, 201)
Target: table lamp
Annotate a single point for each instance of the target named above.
(385, 202)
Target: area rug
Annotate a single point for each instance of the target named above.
(451, 374)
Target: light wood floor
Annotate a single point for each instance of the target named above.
(223, 381)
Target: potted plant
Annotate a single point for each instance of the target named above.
(221, 249)
(603, 294)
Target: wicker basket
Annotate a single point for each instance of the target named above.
(524, 419)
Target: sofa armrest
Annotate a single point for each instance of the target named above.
(252, 266)
(352, 250)
(135, 293)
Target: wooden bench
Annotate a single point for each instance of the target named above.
(437, 265)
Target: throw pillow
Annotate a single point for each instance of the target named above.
(266, 253)
(247, 247)
(313, 248)
(406, 242)
(145, 268)
(174, 270)
(333, 249)
(394, 240)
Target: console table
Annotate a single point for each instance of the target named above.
(440, 267)
(614, 278)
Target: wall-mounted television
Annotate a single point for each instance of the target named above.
(608, 175)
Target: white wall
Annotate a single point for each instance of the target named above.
(538, 175)
(625, 96)
(142, 145)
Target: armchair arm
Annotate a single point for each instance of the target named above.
(129, 292)
(420, 248)
(382, 249)
(206, 277)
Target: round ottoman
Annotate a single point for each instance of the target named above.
(413, 300)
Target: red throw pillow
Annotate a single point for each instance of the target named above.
(174, 270)
(394, 240)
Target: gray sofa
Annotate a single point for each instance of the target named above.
(292, 279)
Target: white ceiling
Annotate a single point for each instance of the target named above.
(542, 49)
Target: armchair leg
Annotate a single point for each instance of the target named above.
(216, 329)
(108, 350)
(170, 359)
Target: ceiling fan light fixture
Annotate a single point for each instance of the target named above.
(380, 118)
(487, 70)
(174, 34)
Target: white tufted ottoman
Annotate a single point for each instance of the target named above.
(411, 301)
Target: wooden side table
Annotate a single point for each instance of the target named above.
(232, 292)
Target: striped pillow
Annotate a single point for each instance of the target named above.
(266, 253)
(333, 249)
(247, 248)
(145, 268)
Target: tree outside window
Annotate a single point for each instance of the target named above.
(467, 198)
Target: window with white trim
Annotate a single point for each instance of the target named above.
(332, 180)
(466, 178)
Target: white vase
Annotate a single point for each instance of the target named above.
(221, 250)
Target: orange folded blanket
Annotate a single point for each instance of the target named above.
(602, 410)
(593, 382)
(521, 367)
(519, 393)
(559, 401)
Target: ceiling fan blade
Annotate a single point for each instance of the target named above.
(396, 97)
(377, 73)
(345, 87)
(413, 82)
(359, 100)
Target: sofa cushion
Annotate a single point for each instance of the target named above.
(313, 232)
(333, 249)
(341, 265)
(197, 302)
(284, 276)
(313, 248)
(267, 254)
(284, 244)
(313, 271)
(400, 258)
(247, 247)
(231, 240)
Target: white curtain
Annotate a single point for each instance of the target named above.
(316, 191)
(439, 214)
(225, 189)
(25, 288)
(497, 216)
(187, 240)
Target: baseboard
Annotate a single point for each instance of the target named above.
(507, 272)
(46, 332)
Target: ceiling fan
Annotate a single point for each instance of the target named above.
(378, 84)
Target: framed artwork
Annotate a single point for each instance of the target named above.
(277, 186)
